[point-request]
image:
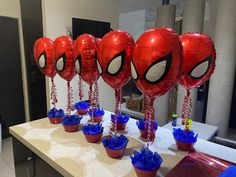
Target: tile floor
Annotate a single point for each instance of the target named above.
(6, 159)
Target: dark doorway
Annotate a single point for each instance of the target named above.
(96, 28)
(31, 13)
(11, 90)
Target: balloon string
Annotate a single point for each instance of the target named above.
(69, 99)
(53, 93)
(186, 109)
(81, 91)
(113, 128)
(150, 121)
(96, 94)
(120, 98)
(145, 100)
(91, 102)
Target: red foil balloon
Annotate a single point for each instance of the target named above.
(64, 57)
(43, 55)
(199, 59)
(114, 55)
(98, 41)
(86, 58)
(157, 62)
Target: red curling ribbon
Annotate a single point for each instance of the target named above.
(149, 113)
(69, 99)
(120, 98)
(53, 93)
(92, 101)
(96, 94)
(186, 108)
(113, 128)
(81, 91)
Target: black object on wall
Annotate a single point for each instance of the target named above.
(31, 14)
(96, 28)
(11, 90)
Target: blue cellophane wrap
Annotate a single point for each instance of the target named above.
(71, 120)
(146, 159)
(115, 142)
(120, 118)
(81, 105)
(91, 129)
(141, 124)
(97, 112)
(55, 113)
(229, 172)
(184, 136)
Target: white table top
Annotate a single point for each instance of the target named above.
(71, 155)
(205, 131)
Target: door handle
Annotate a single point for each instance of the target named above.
(30, 167)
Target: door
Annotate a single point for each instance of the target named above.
(11, 88)
(31, 14)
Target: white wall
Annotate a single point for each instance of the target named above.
(57, 16)
(133, 22)
(134, 5)
(12, 9)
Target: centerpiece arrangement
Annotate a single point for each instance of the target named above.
(43, 55)
(114, 55)
(121, 120)
(157, 61)
(156, 67)
(142, 125)
(64, 63)
(198, 66)
(86, 47)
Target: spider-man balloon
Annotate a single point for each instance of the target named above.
(157, 62)
(98, 41)
(86, 58)
(64, 57)
(114, 55)
(43, 55)
(199, 59)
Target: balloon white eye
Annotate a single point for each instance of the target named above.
(201, 69)
(116, 63)
(133, 71)
(60, 63)
(99, 67)
(158, 70)
(77, 66)
(42, 60)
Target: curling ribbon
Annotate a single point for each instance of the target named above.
(53, 93)
(96, 94)
(91, 102)
(69, 99)
(81, 91)
(150, 119)
(186, 108)
(113, 128)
